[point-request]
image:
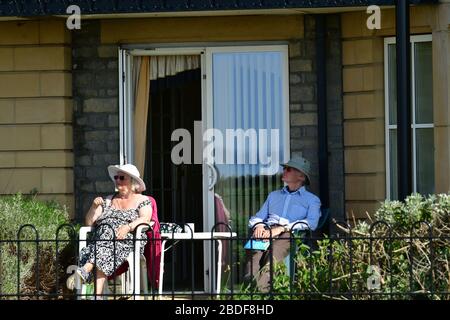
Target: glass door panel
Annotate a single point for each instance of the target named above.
(247, 136)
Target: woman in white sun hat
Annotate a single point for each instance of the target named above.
(121, 213)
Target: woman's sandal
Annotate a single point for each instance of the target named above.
(82, 274)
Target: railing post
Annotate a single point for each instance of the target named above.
(18, 257)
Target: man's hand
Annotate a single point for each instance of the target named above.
(277, 231)
(261, 233)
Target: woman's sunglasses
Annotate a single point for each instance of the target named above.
(119, 177)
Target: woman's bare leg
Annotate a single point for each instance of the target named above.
(88, 267)
(100, 283)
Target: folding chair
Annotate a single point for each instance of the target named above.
(137, 268)
(135, 276)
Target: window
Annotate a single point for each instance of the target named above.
(422, 116)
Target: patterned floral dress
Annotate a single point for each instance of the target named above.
(111, 254)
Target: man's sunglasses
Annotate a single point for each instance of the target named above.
(288, 169)
(119, 177)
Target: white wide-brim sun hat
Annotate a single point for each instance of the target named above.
(130, 170)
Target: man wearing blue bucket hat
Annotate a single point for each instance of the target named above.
(291, 208)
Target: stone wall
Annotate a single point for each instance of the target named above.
(303, 100)
(96, 114)
(335, 118)
(303, 107)
(36, 110)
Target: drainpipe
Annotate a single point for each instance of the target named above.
(403, 51)
(321, 67)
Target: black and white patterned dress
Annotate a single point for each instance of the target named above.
(111, 254)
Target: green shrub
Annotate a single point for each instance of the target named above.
(46, 217)
(398, 256)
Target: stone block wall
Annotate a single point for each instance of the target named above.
(303, 100)
(303, 107)
(96, 114)
(36, 110)
(335, 118)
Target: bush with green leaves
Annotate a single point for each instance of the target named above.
(403, 253)
(46, 217)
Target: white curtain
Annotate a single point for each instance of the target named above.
(163, 66)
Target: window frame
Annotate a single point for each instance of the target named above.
(126, 145)
(388, 41)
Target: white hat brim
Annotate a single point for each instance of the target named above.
(114, 169)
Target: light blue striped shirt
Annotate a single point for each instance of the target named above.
(288, 208)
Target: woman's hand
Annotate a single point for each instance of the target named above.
(97, 202)
(95, 211)
(122, 231)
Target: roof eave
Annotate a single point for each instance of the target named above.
(41, 8)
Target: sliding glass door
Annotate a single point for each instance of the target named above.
(238, 117)
(246, 136)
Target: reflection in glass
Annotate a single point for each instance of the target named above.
(423, 82)
(392, 74)
(393, 164)
(425, 161)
